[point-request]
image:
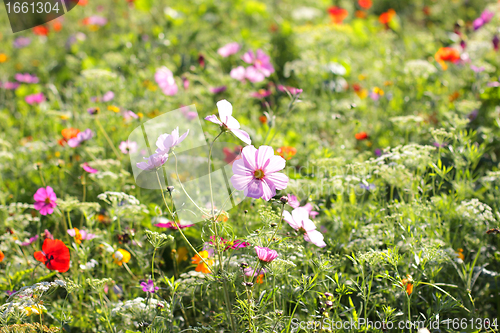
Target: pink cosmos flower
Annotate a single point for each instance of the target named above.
(171, 225)
(47, 235)
(228, 122)
(127, 115)
(149, 287)
(260, 61)
(294, 203)
(309, 207)
(253, 75)
(108, 96)
(128, 147)
(189, 115)
(299, 220)
(485, 18)
(27, 242)
(80, 138)
(167, 141)
(266, 254)
(262, 93)
(26, 78)
(95, 20)
(165, 79)
(35, 98)
(153, 162)
(85, 235)
(88, 168)
(238, 73)
(9, 85)
(292, 90)
(257, 173)
(229, 49)
(250, 270)
(477, 69)
(45, 200)
(217, 90)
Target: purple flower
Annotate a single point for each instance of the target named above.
(35, 98)
(260, 61)
(149, 287)
(85, 166)
(84, 234)
(153, 162)
(262, 93)
(299, 220)
(249, 271)
(476, 69)
(128, 147)
(26, 78)
(165, 79)
(9, 85)
(378, 152)
(45, 200)
(92, 111)
(10, 292)
(374, 96)
(238, 73)
(80, 138)
(496, 42)
(217, 90)
(21, 42)
(228, 122)
(167, 141)
(367, 187)
(229, 49)
(439, 145)
(29, 241)
(473, 115)
(292, 90)
(256, 173)
(265, 254)
(485, 17)
(108, 96)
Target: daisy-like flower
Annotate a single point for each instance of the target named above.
(260, 61)
(128, 147)
(265, 254)
(165, 79)
(80, 235)
(299, 220)
(229, 49)
(35, 98)
(153, 162)
(149, 287)
(45, 200)
(121, 257)
(256, 173)
(228, 122)
(201, 266)
(80, 138)
(27, 242)
(85, 166)
(166, 142)
(108, 96)
(26, 78)
(238, 73)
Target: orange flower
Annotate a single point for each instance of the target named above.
(365, 4)
(460, 254)
(263, 119)
(286, 152)
(408, 284)
(427, 10)
(360, 14)
(41, 30)
(453, 97)
(1, 256)
(387, 17)
(70, 133)
(361, 136)
(57, 25)
(82, 2)
(260, 279)
(3, 57)
(337, 14)
(201, 266)
(446, 54)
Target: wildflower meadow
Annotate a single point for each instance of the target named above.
(250, 166)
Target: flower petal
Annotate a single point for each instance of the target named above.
(280, 180)
(248, 154)
(254, 189)
(242, 135)
(276, 163)
(315, 237)
(213, 118)
(225, 110)
(263, 156)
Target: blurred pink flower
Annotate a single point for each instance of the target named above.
(128, 147)
(85, 166)
(167, 141)
(26, 78)
(95, 20)
(260, 61)
(171, 225)
(35, 98)
(292, 90)
(45, 200)
(28, 242)
(80, 138)
(21, 42)
(149, 287)
(238, 73)
(108, 96)
(229, 49)
(485, 18)
(185, 82)
(153, 162)
(165, 79)
(257, 173)
(261, 93)
(253, 75)
(84, 234)
(9, 85)
(217, 90)
(265, 254)
(228, 122)
(299, 220)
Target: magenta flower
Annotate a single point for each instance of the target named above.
(171, 225)
(265, 254)
(9, 85)
(165, 79)
(108, 96)
(35, 98)
(217, 90)
(294, 203)
(185, 82)
(256, 173)
(485, 18)
(153, 162)
(47, 235)
(10, 292)
(291, 90)
(85, 235)
(85, 166)
(262, 93)
(229, 49)
(128, 147)
(249, 271)
(149, 287)
(26, 78)
(496, 42)
(167, 141)
(21, 42)
(299, 220)
(238, 73)
(228, 122)
(80, 138)
(28, 242)
(260, 61)
(45, 200)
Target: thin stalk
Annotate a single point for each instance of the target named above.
(182, 187)
(103, 131)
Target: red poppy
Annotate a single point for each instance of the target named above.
(41, 30)
(448, 54)
(361, 136)
(338, 14)
(386, 17)
(54, 254)
(365, 4)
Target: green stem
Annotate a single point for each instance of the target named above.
(153, 265)
(118, 156)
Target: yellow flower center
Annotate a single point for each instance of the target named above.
(259, 174)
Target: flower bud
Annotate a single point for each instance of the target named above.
(248, 284)
(284, 200)
(170, 189)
